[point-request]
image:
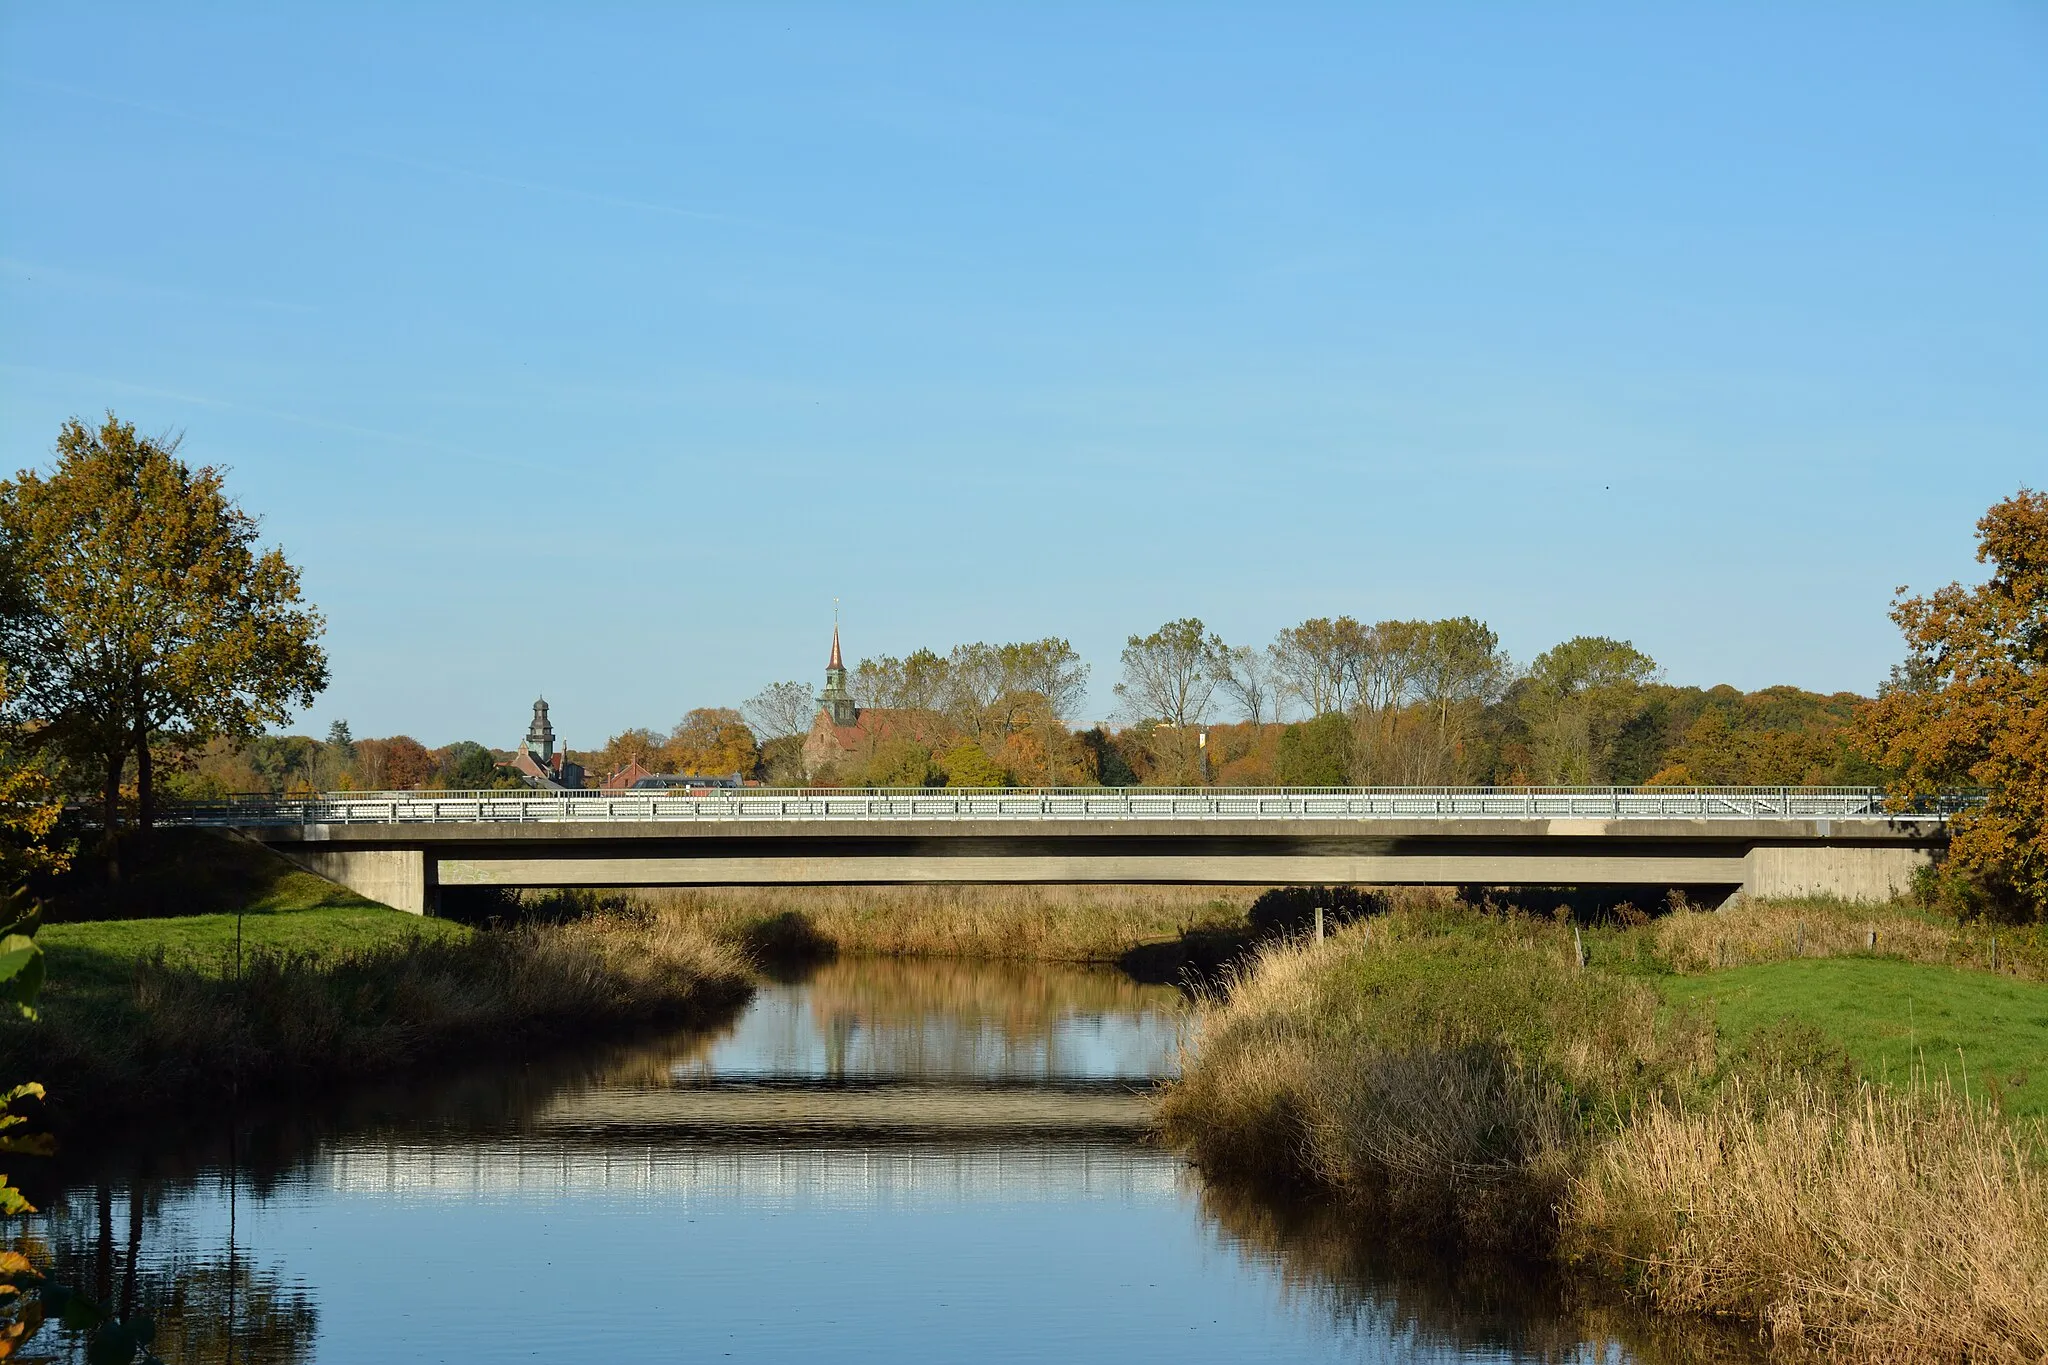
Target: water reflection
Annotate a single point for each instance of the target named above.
(1372, 1288)
(884, 1161)
(136, 1250)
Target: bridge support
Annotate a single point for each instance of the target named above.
(1851, 873)
(402, 878)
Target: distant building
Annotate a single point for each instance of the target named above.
(634, 777)
(694, 782)
(843, 731)
(626, 777)
(536, 759)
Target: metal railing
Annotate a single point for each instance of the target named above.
(1049, 803)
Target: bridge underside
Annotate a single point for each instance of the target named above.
(404, 866)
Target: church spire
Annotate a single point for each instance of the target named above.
(835, 698)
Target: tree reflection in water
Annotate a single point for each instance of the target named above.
(209, 1306)
(1375, 1288)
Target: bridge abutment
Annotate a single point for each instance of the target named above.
(1854, 872)
(402, 878)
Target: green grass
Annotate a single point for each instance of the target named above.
(99, 952)
(191, 872)
(1893, 1016)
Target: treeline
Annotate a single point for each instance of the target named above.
(290, 765)
(1329, 702)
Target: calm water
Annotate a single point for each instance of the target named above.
(884, 1161)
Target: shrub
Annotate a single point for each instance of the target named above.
(1292, 909)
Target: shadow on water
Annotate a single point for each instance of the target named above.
(1372, 1286)
(864, 1105)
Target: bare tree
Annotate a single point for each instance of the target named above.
(780, 709)
(1317, 663)
(1245, 676)
(1169, 676)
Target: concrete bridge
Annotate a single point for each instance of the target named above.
(402, 847)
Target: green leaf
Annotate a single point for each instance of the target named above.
(16, 952)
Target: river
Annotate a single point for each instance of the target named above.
(877, 1160)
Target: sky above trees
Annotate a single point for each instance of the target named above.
(596, 353)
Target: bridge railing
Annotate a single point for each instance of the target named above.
(1045, 803)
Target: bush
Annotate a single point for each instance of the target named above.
(1292, 909)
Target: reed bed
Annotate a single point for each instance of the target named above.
(165, 1031)
(1463, 1077)
(1440, 1065)
(1896, 1224)
(1047, 923)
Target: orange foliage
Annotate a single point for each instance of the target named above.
(1970, 705)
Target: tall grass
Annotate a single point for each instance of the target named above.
(1752, 932)
(1050, 923)
(172, 1031)
(1463, 1076)
(1896, 1224)
(1443, 1066)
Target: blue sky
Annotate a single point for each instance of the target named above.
(595, 351)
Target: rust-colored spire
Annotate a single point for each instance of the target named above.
(834, 661)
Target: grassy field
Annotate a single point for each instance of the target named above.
(105, 951)
(1989, 1033)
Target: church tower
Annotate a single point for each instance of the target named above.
(836, 700)
(540, 736)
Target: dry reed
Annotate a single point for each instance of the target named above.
(1899, 1224)
(1448, 1076)
(1050, 923)
(1463, 1076)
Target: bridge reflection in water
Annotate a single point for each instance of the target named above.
(850, 1176)
(858, 1169)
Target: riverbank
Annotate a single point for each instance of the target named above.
(139, 1015)
(1463, 1077)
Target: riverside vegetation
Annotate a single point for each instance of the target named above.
(1460, 1074)
(317, 984)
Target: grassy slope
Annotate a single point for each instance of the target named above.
(197, 881)
(1892, 1016)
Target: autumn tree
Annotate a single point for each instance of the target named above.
(29, 809)
(1576, 698)
(140, 610)
(1969, 707)
(637, 744)
(711, 742)
(1170, 676)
